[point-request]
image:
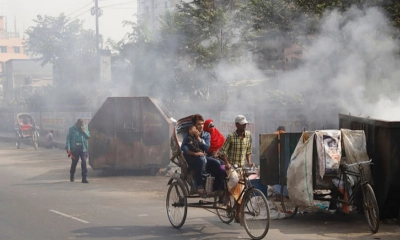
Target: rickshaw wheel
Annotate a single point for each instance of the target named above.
(17, 141)
(176, 205)
(255, 213)
(370, 207)
(288, 208)
(35, 140)
(227, 215)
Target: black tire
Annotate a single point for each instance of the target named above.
(227, 215)
(255, 213)
(35, 140)
(288, 208)
(176, 205)
(370, 206)
(17, 141)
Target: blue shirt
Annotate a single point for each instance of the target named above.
(204, 144)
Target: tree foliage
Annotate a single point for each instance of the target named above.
(65, 44)
(181, 57)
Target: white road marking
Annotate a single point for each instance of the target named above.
(68, 216)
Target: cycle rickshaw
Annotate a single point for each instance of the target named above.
(310, 175)
(254, 210)
(26, 130)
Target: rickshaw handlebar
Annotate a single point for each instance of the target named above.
(358, 163)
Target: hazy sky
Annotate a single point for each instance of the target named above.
(110, 24)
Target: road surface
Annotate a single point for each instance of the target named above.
(37, 202)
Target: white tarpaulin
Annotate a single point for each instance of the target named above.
(299, 173)
(355, 147)
(329, 151)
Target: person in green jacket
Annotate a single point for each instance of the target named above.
(77, 145)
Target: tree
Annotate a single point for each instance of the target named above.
(65, 44)
(269, 26)
(198, 36)
(318, 7)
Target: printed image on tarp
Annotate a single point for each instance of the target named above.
(329, 152)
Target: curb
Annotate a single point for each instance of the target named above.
(41, 141)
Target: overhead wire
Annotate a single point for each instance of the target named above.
(79, 9)
(118, 4)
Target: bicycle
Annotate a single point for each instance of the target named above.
(254, 210)
(369, 203)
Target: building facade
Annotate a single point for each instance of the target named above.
(11, 45)
(151, 10)
(25, 76)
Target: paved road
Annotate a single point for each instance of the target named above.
(38, 202)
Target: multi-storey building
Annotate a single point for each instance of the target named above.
(151, 10)
(11, 45)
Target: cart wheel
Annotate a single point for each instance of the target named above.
(370, 207)
(176, 205)
(227, 215)
(17, 141)
(255, 213)
(35, 140)
(288, 208)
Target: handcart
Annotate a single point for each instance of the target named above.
(254, 211)
(26, 130)
(333, 166)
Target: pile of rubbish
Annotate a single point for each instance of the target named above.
(169, 170)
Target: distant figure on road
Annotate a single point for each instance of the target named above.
(49, 140)
(280, 129)
(77, 146)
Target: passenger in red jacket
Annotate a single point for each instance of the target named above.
(214, 165)
(217, 139)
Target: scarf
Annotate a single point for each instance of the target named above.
(217, 139)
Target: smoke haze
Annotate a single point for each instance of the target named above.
(351, 65)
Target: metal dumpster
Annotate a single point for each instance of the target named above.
(130, 133)
(383, 147)
(274, 163)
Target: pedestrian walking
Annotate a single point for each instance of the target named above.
(77, 146)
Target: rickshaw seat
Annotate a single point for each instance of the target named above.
(25, 127)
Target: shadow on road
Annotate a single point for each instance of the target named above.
(150, 233)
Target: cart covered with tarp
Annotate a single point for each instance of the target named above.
(315, 162)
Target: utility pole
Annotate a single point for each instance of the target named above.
(96, 13)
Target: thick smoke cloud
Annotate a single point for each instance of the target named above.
(352, 65)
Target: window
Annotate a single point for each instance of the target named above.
(3, 49)
(17, 50)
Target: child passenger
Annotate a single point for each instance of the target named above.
(195, 157)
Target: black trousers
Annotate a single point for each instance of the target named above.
(79, 154)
